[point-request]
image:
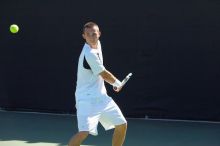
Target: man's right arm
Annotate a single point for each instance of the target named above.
(98, 68)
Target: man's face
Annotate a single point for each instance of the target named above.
(91, 35)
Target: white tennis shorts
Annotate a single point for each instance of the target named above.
(92, 111)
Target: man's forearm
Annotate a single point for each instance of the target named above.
(111, 79)
(108, 77)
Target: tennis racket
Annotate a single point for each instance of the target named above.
(124, 81)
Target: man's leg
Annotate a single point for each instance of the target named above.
(77, 139)
(119, 135)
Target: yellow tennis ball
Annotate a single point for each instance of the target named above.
(14, 28)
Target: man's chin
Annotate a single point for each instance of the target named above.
(95, 41)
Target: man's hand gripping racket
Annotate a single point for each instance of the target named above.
(124, 81)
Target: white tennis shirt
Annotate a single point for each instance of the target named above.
(89, 83)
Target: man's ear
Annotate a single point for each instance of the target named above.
(83, 35)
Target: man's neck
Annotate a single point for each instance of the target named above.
(93, 45)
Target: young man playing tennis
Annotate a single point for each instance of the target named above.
(92, 102)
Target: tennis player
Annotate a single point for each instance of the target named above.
(92, 102)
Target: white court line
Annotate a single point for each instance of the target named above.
(146, 119)
(26, 143)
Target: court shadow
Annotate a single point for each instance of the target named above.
(33, 128)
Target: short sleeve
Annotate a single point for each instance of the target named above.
(94, 62)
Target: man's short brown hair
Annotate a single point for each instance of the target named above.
(89, 25)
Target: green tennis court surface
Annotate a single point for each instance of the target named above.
(34, 129)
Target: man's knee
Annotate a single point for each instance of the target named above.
(121, 127)
(82, 135)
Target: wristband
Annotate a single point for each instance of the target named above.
(117, 83)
